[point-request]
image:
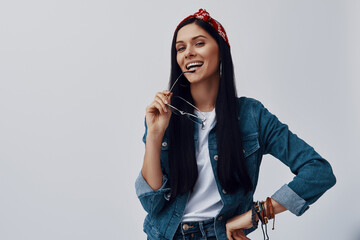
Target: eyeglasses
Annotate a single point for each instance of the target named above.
(177, 102)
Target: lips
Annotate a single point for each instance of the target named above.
(194, 65)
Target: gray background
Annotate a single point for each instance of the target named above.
(76, 77)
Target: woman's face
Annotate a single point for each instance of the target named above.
(197, 50)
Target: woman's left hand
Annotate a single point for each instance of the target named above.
(235, 226)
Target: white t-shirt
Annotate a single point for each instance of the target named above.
(204, 201)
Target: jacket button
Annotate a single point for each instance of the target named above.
(244, 151)
(168, 195)
(216, 157)
(224, 192)
(220, 218)
(164, 144)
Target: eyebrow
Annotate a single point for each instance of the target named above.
(198, 36)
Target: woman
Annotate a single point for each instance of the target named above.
(198, 177)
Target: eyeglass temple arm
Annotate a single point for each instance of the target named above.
(179, 78)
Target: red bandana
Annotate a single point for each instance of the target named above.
(205, 16)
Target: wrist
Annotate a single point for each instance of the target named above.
(154, 135)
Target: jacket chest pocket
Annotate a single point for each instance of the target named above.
(250, 144)
(251, 151)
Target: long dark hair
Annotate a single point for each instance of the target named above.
(231, 167)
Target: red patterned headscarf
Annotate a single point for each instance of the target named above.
(205, 16)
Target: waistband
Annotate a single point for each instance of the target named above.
(204, 227)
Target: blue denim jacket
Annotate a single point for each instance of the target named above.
(262, 133)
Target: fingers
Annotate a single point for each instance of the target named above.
(167, 96)
(237, 237)
(163, 96)
(166, 93)
(241, 234)
(155, 105)
(228, 235)
(236, 234)
(159, 103)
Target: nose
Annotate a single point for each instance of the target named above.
(189, 53)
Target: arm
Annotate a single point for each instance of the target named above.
(151, 169)
(313, 173)
(235, 225)
(150, 184)
(157, 120)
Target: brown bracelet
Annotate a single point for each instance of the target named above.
(264, 212)
(270, 208)
(271, 211)
(266, 205)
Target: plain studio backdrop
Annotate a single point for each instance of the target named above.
(76, 76)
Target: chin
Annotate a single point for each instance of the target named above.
(194, 80)
(194, 77)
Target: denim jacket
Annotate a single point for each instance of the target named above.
(262, 133)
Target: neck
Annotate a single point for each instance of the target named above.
(205, 93)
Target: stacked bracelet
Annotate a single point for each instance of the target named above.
(264, 211)
(271, 211)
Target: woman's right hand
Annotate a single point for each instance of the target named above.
(157, 113)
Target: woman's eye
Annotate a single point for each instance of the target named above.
(200, 43)
(180, 49)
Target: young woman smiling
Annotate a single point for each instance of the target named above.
(204, 148)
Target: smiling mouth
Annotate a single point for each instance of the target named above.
(193, 66)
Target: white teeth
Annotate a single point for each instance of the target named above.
(197, 64)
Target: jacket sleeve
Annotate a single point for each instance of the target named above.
(152, 201)
(314, 175)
